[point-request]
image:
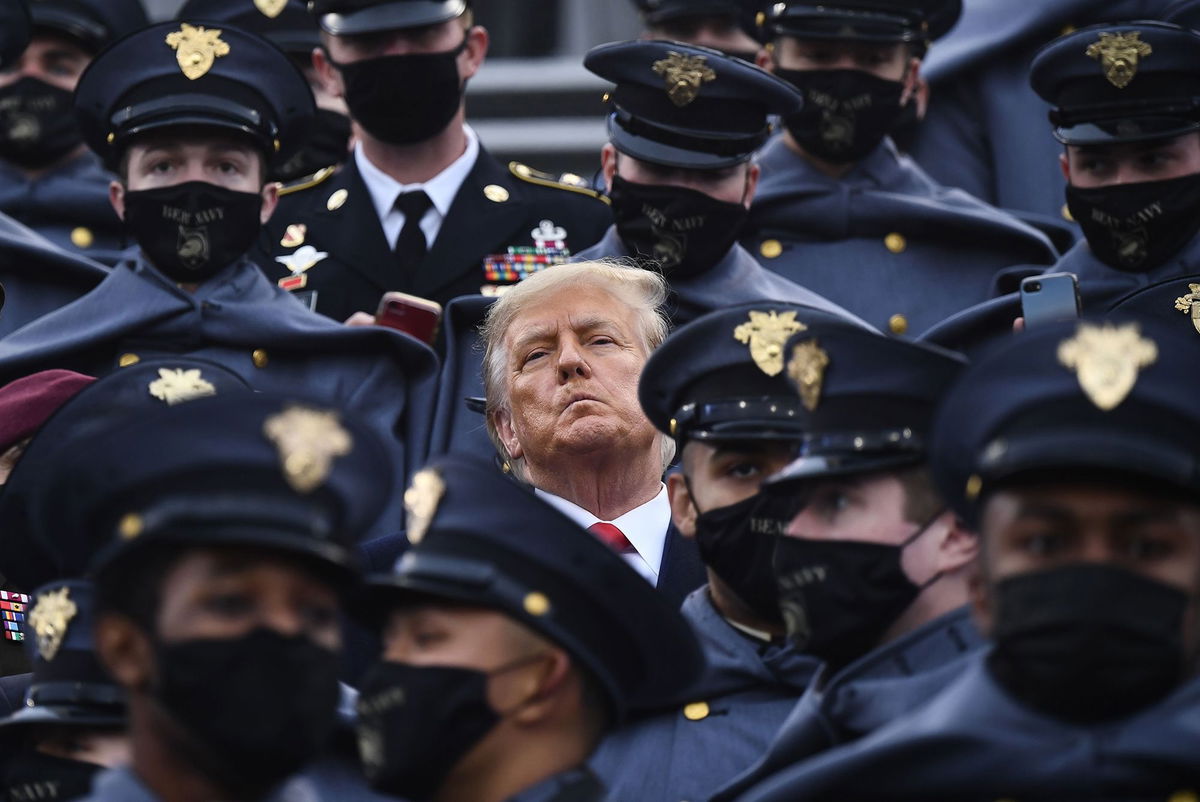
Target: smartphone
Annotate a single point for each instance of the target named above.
(1049, 297)
(419, 317)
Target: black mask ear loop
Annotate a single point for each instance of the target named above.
(920, 531)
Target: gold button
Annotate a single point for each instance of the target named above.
(521, 170)
(898, 324)
(1068, 29)
(771, 248)
(896, 243)
(674, 426)
(696, 711)
(128, 359)
(259, 356)
(110, 138)
(130, 526)
(1183, 796)
(277, 145)
(974, 487)
(495, 193)
(82, 237)
(337, 200)
(1066, 213)
(537, 604)
(760, 18)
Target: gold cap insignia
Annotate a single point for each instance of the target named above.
(50, 618)
(421, 502)
(807, 370)
(683, 76)
(1118, 54)
(176, 385)
(196, 48)
(270, 8)
(1190, 303)
(308, 441)
(766, 333)
(1106, 360)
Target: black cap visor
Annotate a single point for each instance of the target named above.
(391, 16)
(848, 454)
(1125, 130)
(696, 154)
(845, 24)
(73, 23)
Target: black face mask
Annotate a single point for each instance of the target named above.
(839, 597)
(192, 231)
(404, 99)
(37, 125)
(1087, 642)
(328, 144)
(1137, 227)
(684, 231)
(738, 543)
(415, 723)
(846, 113)
(272, 713)
(33, 775)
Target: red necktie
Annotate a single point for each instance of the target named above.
(612, 537)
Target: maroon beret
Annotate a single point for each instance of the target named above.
(28, 402)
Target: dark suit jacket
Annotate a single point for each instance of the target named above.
(496, 208)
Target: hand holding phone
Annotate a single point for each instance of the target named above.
(410, 314)
(1049, 297)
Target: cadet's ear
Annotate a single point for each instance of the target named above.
(270, 199)
(544, 692)
(752, 174)
(763, 57)
(125, 650)
(608, 165)
(959, 546)
(683, 511)
(1064, 164)
(116, 196)
(471, 59)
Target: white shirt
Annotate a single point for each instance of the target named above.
(441, 189)
(645, 528)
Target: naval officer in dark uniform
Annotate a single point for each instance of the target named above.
(1073, 449)
(1125, 107)
(420, 205)
(188, 115)
(512, 641)
(684, 123)
(49, 179)
(839, 209)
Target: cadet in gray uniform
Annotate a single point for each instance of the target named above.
(73, 722)
(49, 180)
(229, 522)
(1125, 107)
(980, 131)
(188, 115)
(717, 386)
(1073, 449)
(839, 210)
(512, 641)
(36, 277)
(873, 571)
(684, 124)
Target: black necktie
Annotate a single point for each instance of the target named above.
(411, 246)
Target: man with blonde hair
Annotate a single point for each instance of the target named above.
(564, 351)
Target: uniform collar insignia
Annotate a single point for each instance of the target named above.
(308, 441)
(176, 385)
(301, 259)
(49, 620)
(766, 333)
(270, 8)
(421, 503)
(1106, 360)
(196, 49)
(683, 76)
(1118, 54)
(807, 370)
(1191, 303)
